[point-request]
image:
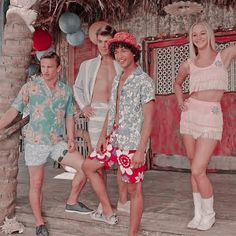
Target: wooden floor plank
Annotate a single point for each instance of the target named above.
(168, 205)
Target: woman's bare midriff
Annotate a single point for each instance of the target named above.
(208, 95)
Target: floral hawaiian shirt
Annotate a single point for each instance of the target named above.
(47, 108)
(137, 90)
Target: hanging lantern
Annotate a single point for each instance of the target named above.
(183, 8)
(75, 39)
(42, 40)
(69, 22)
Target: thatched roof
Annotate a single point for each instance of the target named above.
(111, 10)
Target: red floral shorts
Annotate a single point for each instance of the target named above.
(113, 156)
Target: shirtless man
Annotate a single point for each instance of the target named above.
(125, 133)
(92, 91)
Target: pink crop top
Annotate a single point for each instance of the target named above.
(214, 76)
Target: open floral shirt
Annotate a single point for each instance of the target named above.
(47, 108)
(137, 90)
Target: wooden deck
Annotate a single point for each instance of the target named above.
(168, 206)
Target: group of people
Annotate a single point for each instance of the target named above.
(117, 97)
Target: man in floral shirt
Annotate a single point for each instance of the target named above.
(128, 126)
(50, 103)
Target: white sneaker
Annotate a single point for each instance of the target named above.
(208, 214)
(207, 222)
(123, 207)
(194, 223)
(99, 209)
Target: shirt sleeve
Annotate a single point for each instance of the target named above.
(147, 90)
(22, 99)
(69, 105)
(78, 87)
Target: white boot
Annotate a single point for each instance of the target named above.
(208, 214)
(197, 201)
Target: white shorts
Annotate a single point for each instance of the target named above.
(96, 122)
(36, 155)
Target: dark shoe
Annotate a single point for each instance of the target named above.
(79, 208)
(42, 230)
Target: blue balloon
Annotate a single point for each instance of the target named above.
(39, 54)
(69, 22)
(75, 39)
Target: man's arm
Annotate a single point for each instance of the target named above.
(70, 130)
(101, 145)
(8, 117)
(139, 155)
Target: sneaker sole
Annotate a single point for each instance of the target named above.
(79, 212)
(103, 220)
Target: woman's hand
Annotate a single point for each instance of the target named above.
(183, 106)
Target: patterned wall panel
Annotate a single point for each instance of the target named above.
(82, 123)
(168, 61)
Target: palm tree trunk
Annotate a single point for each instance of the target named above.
(17, 46)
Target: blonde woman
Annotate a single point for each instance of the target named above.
(201, 118)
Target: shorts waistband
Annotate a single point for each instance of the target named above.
(204, 103)
(99, 105)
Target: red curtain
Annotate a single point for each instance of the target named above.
(166, 139)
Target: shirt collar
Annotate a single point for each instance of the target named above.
(138, 71)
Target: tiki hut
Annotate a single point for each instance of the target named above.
(147, 19)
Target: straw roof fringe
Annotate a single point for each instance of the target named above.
(90, 11)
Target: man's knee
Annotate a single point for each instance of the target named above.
(134, 189)
(36, 184)
(86, 166)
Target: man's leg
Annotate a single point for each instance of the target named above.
(35, 157)
(123, 203)
(75, 160)
(136, 199)
(102, 172)
(36, 174)
(122, 187)
(90, 167)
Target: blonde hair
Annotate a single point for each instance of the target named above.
(211, 38)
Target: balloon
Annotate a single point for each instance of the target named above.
(39, 54)
(69, 22)
(42, 40)
(75, 39)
